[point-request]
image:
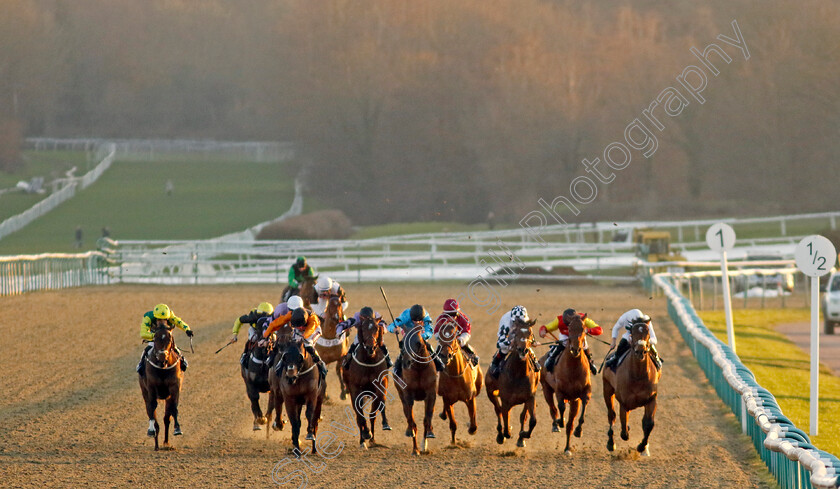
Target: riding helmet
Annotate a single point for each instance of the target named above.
(519, 312)
(417, 312)
(568, 315)
(451, 306)
(301, 262)
(162, 311)
(299, 318)
(265, 308)
(294, 302)
(366, 312)
(644, 318)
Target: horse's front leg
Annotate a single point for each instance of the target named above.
(313, 414)
(561, 407)
(293, 410)
(361, 421)
(254, 397)
(505, 421)
(471, 409)
(427, 419)
(609, 398)
(584, 403)
(622, 417)
(548, 393)
(154, 427)
(647, 426)
(530, 407)
(339, 370)
(171, 406)
(411, 431)
(574, 405)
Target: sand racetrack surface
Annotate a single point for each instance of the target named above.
(72, 415)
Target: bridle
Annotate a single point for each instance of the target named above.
(156, 353)
(641, 347)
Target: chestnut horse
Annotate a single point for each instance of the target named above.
(329, 347)
(570, 381)
(419, 383)
(459, 380)
(162, 381)
(633, 384)
(299, 384)
(255, 374)
(517, 384)
(367, 379)
(306, 291)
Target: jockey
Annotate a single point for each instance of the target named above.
(503, 342)
(452, 313)
(326, 287)
(306, 329)
(159, 316)
(414, 316)
(365, 313)
(561, 325)
(262, 311)
(298, 272)
(282, 309)
(625, 323)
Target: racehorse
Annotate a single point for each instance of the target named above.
(306, 291)
(284, 337)
(633, 384)
(459, 380)
(570, 381)
(517, 384)
(300, 384)
(367, 377)
(162, 381)
(329, 347)
(255, 374)
(419, 383)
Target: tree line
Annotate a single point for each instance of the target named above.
(442, 110)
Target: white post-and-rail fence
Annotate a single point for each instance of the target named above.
(18, 222)
(785, 449)
(158, 149)
(29, 273)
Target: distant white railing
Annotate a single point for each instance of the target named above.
(18, 222)
(29, 273)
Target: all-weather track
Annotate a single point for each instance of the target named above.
(71, 412)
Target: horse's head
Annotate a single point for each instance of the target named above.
(294, 360)
(577, 338)
(370, 335)
(334, 309)
(284, 335)
(415, 346)
(640, 338)
(448, 345)
(163, 344)
(522, 336)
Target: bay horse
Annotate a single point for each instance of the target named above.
(255, 374)
(516, 384)
(329, 347)
(418, 383)
(283, 338)
(306, 291)
(300, 384)
(459, 380)
(162, 381)
(570, 382)
(367, 380)
(634, 384)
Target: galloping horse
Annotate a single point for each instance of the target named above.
(306, 291)
(459, 380)
(329, 347)
(517, 384)
(634, 385)
(570, 381)
(419, 383)
(162, 381)
(300, 384)
(255, 375)
(366, 376)
(275, 397)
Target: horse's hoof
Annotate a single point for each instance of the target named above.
(520, 443)
(409, 433)
(177, 431)
(366, 435)
(262, 420)
(555, 428)
(625, 435)
(568, 452)
(310, 437)
(442, 415)
(472, 430)
(275, 427)
(363, 446)
(150, 433)
(500, 438)
(524, 434)
(644, 451)
(343, 396)
(257, 427)
(610, 446)
(415, 452)
(578, 432)
(430, 434)
(386, 426)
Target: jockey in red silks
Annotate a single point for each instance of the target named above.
(452, 313)
(561, 325)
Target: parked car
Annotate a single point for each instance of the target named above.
(831, 303)
(775, 281)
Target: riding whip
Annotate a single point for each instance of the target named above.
(605, 359)
(222, 348)
(598, 339)
(192, 350)
(391, 313)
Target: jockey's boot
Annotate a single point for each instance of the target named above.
(656, 359)
(534, 360)
(493, 371)
(592, 367)
(184, 363)
(623, 346)
(322, 367)
(553, 353)
(388, 361)
(471, 354)
(439, 366)
(243, 360)
(141, 367)
(398, 366)
(349, 356)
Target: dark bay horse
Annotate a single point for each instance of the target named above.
(301, 385)
(283, 339)
(329, 347)
(633, 384)
(162, 381)
(419, 383)
(367, 379)
(517, 384)
(570, 382)
(306, 291)
(255, 374)
(459, 380)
